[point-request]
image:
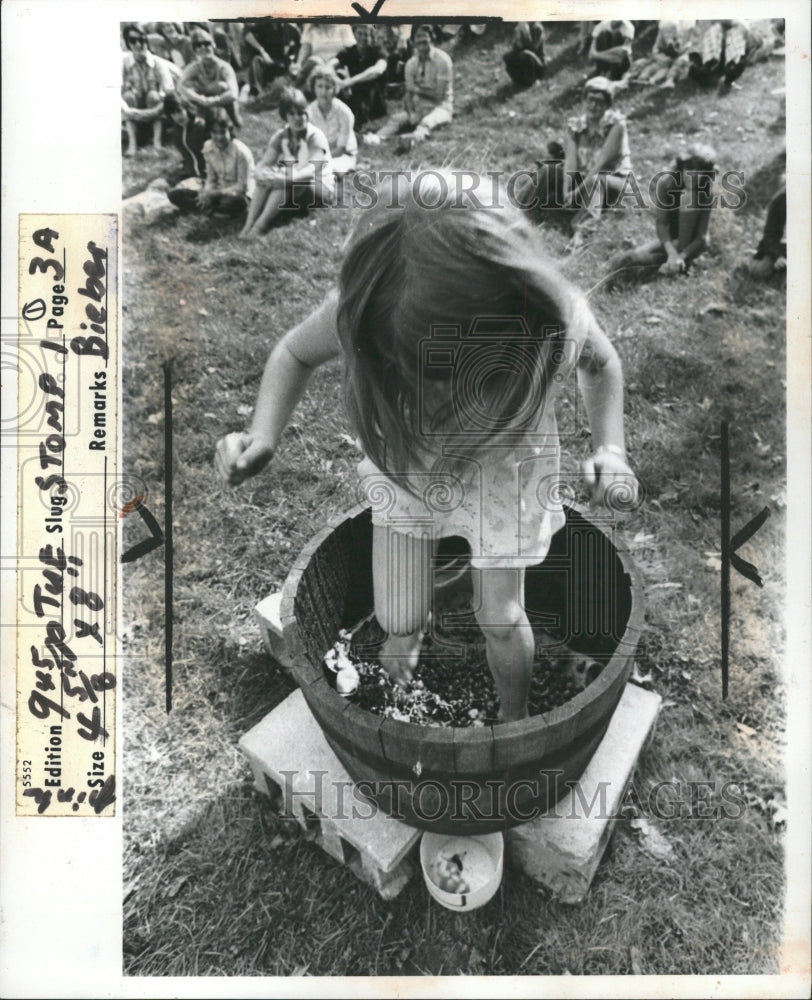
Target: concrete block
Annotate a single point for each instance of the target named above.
(270, 625)
(563, 848)
(288, 750)
(388, 884)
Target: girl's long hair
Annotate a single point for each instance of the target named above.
(419, 287)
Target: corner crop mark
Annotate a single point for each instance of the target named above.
(368, 16)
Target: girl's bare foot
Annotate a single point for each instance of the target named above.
(399, 655)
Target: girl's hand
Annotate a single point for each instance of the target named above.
(674, 266)
(611, 480)
(240, 455)
(264, 175)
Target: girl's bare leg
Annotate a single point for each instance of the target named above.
(273, 204)
(255, 207)
(510, 647)
(131, 140)
(401, 575)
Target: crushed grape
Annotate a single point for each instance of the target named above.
(452, 685)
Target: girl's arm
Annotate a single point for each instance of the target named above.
(304, 54)
(287, 372)
(570, 161)
(245, 167)
(600, 379)
(212, 181)
(229, 87)
(268, 165)
(668, 202)
(186, 86)
(610, 149)
(346, 122)
(370, 73)
(614, 55)
(699, 243)
(664, 234)
(319, 152)
(410, 80)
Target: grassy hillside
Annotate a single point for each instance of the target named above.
(215, 882)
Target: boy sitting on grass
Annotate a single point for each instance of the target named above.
(229, 174)
(683, 204)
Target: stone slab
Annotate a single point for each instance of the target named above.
(267, 614)
(563, 848)
(147, 207)
(289, 747)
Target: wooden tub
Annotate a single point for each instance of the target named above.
(467, 780)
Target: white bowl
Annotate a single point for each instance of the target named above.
(482, 865)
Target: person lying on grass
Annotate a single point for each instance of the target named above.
(295, 170)
(668, 60)
(457, 426)
(682, 209)
(229, 173)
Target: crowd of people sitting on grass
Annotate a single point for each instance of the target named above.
(335, 87)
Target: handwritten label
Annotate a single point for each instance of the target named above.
(67, 537)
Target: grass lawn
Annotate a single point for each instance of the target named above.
(215, 882)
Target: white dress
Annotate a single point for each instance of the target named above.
(507, 507)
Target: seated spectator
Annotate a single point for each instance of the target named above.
(525, 60)
(335, 119)
(272, 46)
(229, 43)
(668, 55)
(722, 54)
(145, 80)
(361, 71)
(395, 45)
(587, 174)
(209, 82)
(295, 170)
(771, 254)
(229, 182)
(320, 44)
(611, 50)
(188, 134)
(683, 202)
(768, 39)
(428, 100)
(585, 37)
(169, 42)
